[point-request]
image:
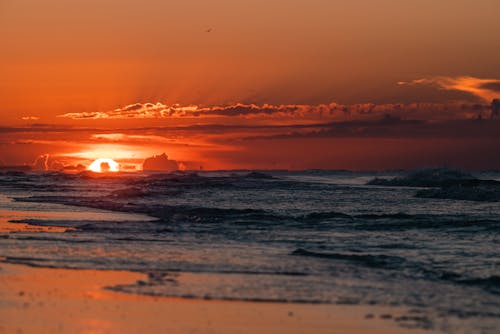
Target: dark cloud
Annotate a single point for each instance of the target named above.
(250, 109)
(492, 85)
(160, 163)
(135, 106)
(495, 108)
(393, 127)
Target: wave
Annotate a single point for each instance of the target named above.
(321, 216)
(258, 175)
(190, 178)
(375, 261)
(432, 177)
(438, 222)
(399, 215)
(491, 283)
(446, 184)
(183, 214)
(403, 221)
(473, 190)
(129, 193)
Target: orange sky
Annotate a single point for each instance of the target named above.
(251, 84)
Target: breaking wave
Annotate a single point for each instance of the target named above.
(445, 184)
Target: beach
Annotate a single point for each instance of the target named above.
(46, 300)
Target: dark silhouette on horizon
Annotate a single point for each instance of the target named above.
(495, 108)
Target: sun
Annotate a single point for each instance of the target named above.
(103, 165)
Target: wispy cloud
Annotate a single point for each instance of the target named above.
(160, 110)
(137, 110)
(290, 112)
(485, 89)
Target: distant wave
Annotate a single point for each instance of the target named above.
(182, 214)
(398, 215)
(446, 184)
(433, 177)
(321, 216)
(473, 190)
(491, 283)
(376, 261)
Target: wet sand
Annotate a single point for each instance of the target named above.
(46, 300)
(6, 226)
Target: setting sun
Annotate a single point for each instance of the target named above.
(103, 165)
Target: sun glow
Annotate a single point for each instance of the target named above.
(103, 165)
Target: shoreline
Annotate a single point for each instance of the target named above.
(49, 300)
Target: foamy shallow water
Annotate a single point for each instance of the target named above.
(316, 237)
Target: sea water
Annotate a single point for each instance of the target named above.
(306, 237)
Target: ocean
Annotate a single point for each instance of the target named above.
(427, 241)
